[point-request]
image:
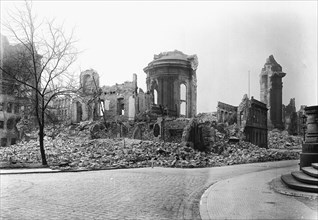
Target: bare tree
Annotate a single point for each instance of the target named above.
(41, 64)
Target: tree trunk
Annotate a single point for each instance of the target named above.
(41, 136)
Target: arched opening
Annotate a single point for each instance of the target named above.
(154, 91)
(183, 100)
(79, 111)
(183, 92)
(155, 96)
(182, 109)
(120, 106)
(221, 116)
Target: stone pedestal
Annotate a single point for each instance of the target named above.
(309, 153)
(307, 178)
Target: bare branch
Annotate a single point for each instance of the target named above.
(39, 62)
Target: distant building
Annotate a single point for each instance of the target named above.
(252, 120)
(120, 100)
(14, 98)
(271, 91)
(226, 113)
(301, 122)
(74, 108)
(61, 108)
(290, 117)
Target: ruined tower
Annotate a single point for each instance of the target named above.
(89, 81)
(171, 79)
(271, 91)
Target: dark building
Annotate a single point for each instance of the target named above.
(301, 120)
(15, 97)
(252, 120)
(271, 91)
(171, 80)
(290, 117)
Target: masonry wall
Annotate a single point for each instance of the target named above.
(9, 113)
(226, 113)
(121, 100)
(252, 121)
(290, 117)
(12, 103)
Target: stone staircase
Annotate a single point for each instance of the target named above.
(305, 180)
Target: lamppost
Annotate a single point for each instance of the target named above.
(304, 125)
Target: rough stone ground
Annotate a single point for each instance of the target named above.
(145, 193)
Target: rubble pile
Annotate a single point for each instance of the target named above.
(92, 145)
(207, 117)
(282, 140)
(76, 154)
(174, 129)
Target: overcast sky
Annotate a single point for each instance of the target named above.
(230, 38)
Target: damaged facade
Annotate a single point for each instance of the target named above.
(252, 121)
(290, 117)
(13, 101)
(250, 118)
(82, 106)
(9, 106)
(271, 86)
(226, 113)
(294, 121)
(171, 90)
(120, 100)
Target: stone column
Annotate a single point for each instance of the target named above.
(309, 153)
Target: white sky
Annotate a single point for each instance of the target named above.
(230, 38)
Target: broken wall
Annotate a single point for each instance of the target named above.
(89, 80)
(14, 102)
(252, 121)
(290, 117)
(120, 100)
(226, 113)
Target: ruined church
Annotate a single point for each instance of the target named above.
(171, 90)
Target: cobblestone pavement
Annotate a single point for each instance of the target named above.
(145, 193)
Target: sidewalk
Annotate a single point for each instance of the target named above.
(251, 196)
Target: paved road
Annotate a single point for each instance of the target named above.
(146, 193)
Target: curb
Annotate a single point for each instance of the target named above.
(204, 214)
(28, 172)
(278, 186)
(59, 171)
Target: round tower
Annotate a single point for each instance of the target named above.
(171, 79)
